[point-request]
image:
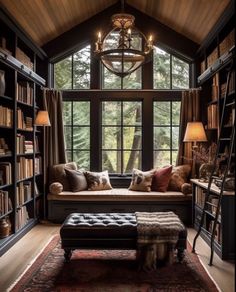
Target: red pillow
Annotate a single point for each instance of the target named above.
(161, 179)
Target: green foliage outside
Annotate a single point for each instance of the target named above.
(121, 121)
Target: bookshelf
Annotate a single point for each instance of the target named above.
(21, 177)
(224, 244)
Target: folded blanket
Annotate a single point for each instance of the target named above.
(154, 230)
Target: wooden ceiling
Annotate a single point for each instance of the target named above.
(44, 20)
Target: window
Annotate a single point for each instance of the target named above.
(169, 72)
(73, 72)
(166, 132)
(121, 136)
(76, 117)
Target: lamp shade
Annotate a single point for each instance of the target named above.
(42, 119)
(195, 132)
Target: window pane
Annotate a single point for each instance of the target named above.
(111, 161)
(62, 74)
(67, 113)
(111, 113)
(174, 157)
(82, 158)
(111, 138)
(176, 113)
(132, 159)
(134, 80)
(161, 158)
(161, 69)
(180, 73)
(132, 113)
(162, 138)
(175, 137)
(69, 155)
(110, 80)
(81, 138)
(68, 134)
(162, 113)
(81, 113)
(132, 137)
(81, 69)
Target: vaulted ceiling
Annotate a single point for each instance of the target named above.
(44, 20)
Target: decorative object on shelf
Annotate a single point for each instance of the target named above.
(4, 228)
(195, 133)
(205, 170)
(229, 184)
(121, 50)
(2, 82)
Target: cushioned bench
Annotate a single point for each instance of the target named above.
(105, 231)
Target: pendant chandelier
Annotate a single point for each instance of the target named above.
(124, 49)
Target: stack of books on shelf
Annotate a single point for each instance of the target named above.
(5, 173)
(4, 148)
(25, 92)
(29, 147)
(212, 116)
(23, 192)
(227, 43)
(24, 123)
(200, 197)
(22, 217)
(38, 165)
(23, 58)
(6, 116)
(215, 88)
(24, 168)
(5, 203)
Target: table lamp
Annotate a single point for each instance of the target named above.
(195, 133)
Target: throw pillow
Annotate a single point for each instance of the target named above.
(161, 179)
(98, 181)
(141, 180)
(77, 180)
(186, 188)
(55, 188)
(58, 174)
(179, 176)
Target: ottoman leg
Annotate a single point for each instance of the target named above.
(180, 254)
(67, 255)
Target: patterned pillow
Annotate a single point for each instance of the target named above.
(98, 181)
(141, 180)
(55, 188)
(77, 180)
(179, 176)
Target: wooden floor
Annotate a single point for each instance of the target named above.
(16, 260)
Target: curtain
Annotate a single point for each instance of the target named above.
(54, 136)
(189, 112)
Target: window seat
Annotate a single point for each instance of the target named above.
(118, 200)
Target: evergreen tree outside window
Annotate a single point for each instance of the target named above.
(121, 136)
(169, 72)
(166, 132)
(73, 72)
(76, 118)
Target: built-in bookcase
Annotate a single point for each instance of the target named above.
(21, 178)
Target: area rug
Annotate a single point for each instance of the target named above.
(109, 271)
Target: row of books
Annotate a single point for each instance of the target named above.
(5, 173)
(218, 233)
(5, 203)
(23, 192)
(23, 58)
(215, 88)
(22, 217)
(199, 197)
(212, 116)
(24, 123)
(6, 116)
(23, 146)
(231, 85)
(4, 150)
(25, 92)
(25, 167)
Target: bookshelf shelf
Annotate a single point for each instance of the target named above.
(20, 102)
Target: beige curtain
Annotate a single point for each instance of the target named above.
(54, 136)
(189, 112)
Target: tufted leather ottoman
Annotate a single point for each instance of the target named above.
(104, 231)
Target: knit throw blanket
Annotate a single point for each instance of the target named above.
(158, 227)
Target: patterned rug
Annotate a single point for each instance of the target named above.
(109, 271)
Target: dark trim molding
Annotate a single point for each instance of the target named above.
(84, 33)
(6, 17)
